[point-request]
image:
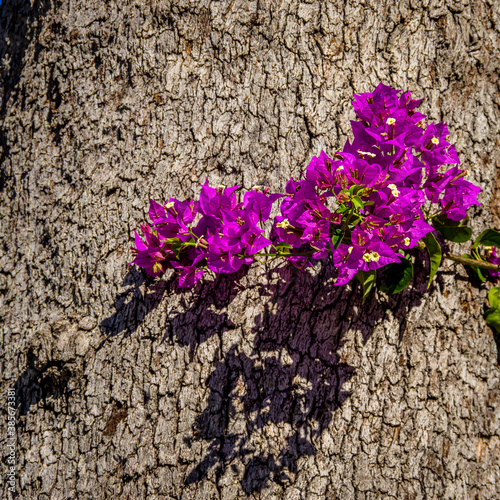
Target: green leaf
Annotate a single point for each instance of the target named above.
(488, 238)
(354, 189)
(355, 221)
(452, 230)
(171, 241)
(492, 317)
(397, 276)
(435, 255)
(336, 238)
(478, 271)
(174, 244)
(356, 201)
(283, 248)
(494, 297)
(367, 280)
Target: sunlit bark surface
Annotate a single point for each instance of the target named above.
(272, 383)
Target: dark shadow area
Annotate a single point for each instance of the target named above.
(289, 373)
(42, 383)
(16, 32)
(293, 375)
(204, 316)
(132, 305)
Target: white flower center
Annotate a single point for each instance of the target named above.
(371, 257)
(394, 190)
(284, 224)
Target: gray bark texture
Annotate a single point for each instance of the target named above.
(271, 383)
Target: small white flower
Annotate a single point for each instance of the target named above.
(170, 204)
(394, 190)
(284, 224)
(390, 121)
(371, 257)
(435, 141)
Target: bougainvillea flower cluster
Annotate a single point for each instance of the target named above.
(217, 232)
(364, 208)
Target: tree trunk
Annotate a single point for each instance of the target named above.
(271, 383)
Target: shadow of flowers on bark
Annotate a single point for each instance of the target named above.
(132, 305)
(206, 313)
(270, 401)
(273, 394)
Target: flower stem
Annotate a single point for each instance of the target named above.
(482, 264)
(279, 254)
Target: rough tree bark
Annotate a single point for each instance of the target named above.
(271, 383)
